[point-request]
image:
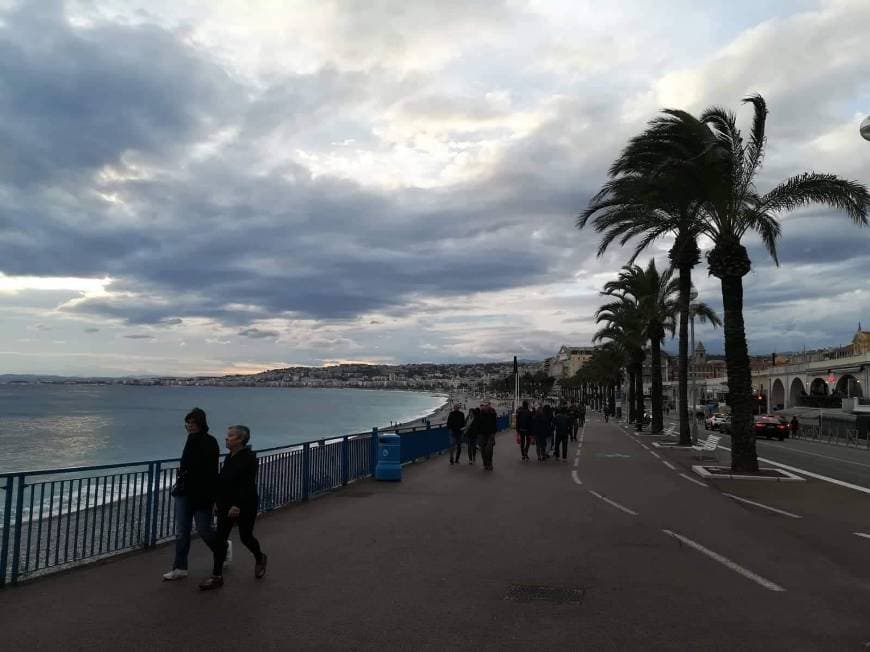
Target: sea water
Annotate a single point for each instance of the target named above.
(55, 426)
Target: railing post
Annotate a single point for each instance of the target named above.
(306, 471)
(373, 452)
(345, 460)
(7, 521)
(19, 516)
(149, 497)
(157, 491)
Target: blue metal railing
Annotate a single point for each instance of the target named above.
(56, 518)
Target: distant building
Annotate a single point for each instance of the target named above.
(568, 361)
(861, 341)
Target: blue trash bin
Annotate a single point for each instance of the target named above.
(389, 466)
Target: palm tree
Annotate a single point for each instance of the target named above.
(655, 190)
(734, 207)
(624, 327)
(656, 296)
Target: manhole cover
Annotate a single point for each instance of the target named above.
(550, 594)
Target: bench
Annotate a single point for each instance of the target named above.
(710, 444)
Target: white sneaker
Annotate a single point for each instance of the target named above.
(229, 558)
(175, 574)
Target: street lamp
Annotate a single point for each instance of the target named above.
(693, 294)
(864, 129)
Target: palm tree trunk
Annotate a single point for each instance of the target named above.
(638, 394)
(685, 285)
(743, 454)
(658, 423)
(630, 394)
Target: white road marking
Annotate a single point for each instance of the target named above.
(772, 509)
(691, 479)
(748, 574)
(576, 477)
(576, 461)
(644, 446)
(669, 465)
(654, 454)
(810, 474)
(614, 503)
(861, 534)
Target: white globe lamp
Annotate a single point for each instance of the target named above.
(865, 128)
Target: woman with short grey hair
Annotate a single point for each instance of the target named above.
(236, 503)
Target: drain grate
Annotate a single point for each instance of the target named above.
(550, 594)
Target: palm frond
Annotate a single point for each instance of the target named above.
(815, 188)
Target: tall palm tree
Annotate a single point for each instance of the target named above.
(733, 207)
(656, 295)
(655, 190)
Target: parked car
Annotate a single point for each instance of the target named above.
(714, 421)
(769, 426)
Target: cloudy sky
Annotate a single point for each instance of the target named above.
(222, 186)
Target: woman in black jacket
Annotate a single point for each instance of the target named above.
(195, 490)
(236, 503)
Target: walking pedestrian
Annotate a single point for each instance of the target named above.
(548, 413)
(540, 424)
(606, 414)
(236, 504)
(574, 413)
(582, 414)
(794, 426)
(486, 433)
(470, 433)
(524, 429)
(562, 424)
(455, 423)
(194, 490)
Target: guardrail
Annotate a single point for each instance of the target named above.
(54, 519)
(839, 436)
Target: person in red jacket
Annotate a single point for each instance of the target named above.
(236, 503)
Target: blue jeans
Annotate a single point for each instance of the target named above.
(185, 514)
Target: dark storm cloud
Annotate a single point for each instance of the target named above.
(75, 99)
(139, 336)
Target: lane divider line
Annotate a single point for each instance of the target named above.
(737, 568)
(576, 477)
(669, 465)
(810, 474)
(772, 509)
(656, 455)
(613, 502)
(691, 479)
(861, 534)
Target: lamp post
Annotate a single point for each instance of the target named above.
(693, 294)
(864, 129)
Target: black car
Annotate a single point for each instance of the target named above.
(770, 426)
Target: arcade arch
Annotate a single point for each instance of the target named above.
(819, 387)
(777, 394)
(795, 392)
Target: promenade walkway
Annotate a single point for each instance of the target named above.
(532, 556)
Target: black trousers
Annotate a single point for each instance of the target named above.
(563, 440)
(456, 437)
(472, 447)
(225, 525)
(525, 442)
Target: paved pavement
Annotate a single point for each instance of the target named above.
(618, 549)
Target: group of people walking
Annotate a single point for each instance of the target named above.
(477, 430)
(204, 489)
(549, 429)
